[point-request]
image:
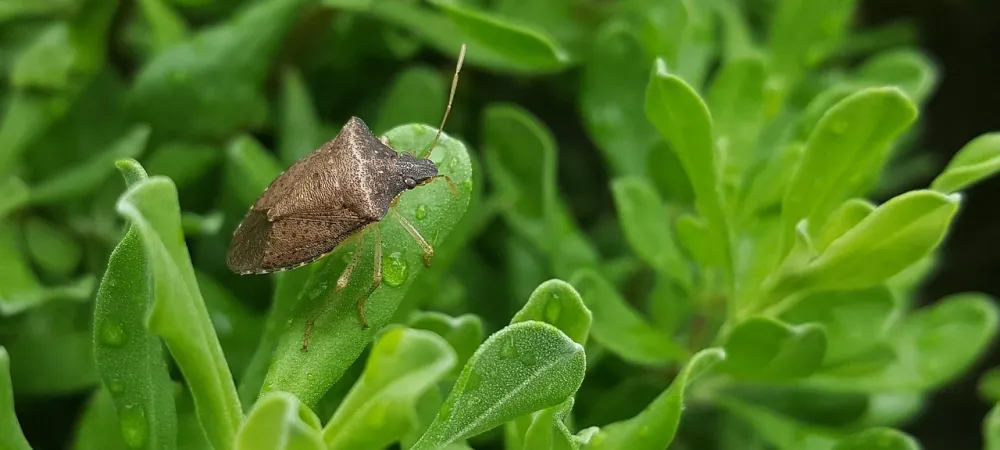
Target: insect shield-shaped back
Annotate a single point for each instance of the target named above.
(323, 199)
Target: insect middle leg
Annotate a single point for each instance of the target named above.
(376, 277)
(428, 250)
(342, 282)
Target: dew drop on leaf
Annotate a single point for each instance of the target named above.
(421, 213)
(553, 308)
(839, 126)
(116, 386)
(528, 359)
(474, 381)
(394, 269)
(467, 185)
(453, 163)
(134, 427)
(112, 334)
(507, 351)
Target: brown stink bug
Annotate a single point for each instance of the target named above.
(338, 191)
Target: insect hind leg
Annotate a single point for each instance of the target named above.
(342, 282)
(428, 250)
(376, 277)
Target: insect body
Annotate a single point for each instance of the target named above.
(346, 186)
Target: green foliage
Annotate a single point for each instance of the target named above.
(727, 281)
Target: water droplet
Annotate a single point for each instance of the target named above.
(475, 379)
(421, 213)
(134, 427)
(453, 163)
(266, 387)
(116, 386)
(467, 185)
(553, 308)
(839, 126)
(528, 359)
(419, 131)
(112, 334)
(507, 350)
(348, 255)
(394, 269)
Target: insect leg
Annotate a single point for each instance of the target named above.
(428, 250)
(342, 282)
(385, 140)
(376, 276)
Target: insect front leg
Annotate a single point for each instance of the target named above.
(428, 250)
(342, 282)
(376, 277)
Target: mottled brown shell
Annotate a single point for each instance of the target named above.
(320, 201)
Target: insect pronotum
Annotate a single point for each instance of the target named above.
(335, 193)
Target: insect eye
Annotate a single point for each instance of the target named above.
(409, 182)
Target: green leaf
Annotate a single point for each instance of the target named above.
(167, 27)
(683, 120)
(52, 247)
(975, 162)
(893, 237)
(337, 338)
(802, 34)
(131, 360)
(611, 98)
(280, 422)
(250, 168)
(933, 346)
(989, 385)
(518, 43)
(656, 426)
(210, 84)
(464, 333)
(20, 289)
(847, 216)
(666, 172)
(680, 32)
(12, 11)
(178, 313)
(10, 430)
(13, 194)
(381, 406)
(300, 130)
(556, 302)
(849, 143)
(645, 224)
(98, 427)
(909, 69)
(547, 430)
(84, 179)
(991, 429)
(766, 349)
(525, 367)
(854, 321)
(619, 327)
(235, 324)
(736, 100)
(782, 432)
(417, 95)
(769, 183)
(183, 162)
(880, 438)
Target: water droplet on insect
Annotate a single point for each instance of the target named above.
(134, 426)
(553, 308)
(421, 213)
(394, 269)
(507, 350)
(467, 185)
(116, 386)
(112, 334)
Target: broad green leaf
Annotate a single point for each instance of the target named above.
(54, 351)
(522, 45)
(546, 429)
(84, 179)
(736, 100)
(878, 438)
(933, 345)
(737, 38)
(235, 324)
(183, 162)
(693, 236)
(645, 223)
(178, 313)
(98, 427)
(558, 304)
(13, 194)
(975, 162)
(524, 367)
(464, 333)
(26, 117)
(991, 429)
(280, 422)
(20, 289)
(802, 34)
(783, 433)
(684, 121)
(611, 96)
(769, 183)
(894, 236)
(210, 84)
(381, 406)
(854, 321)
(761, 348)
(337, 337)
(522, 155)
(200, 225)
(989, 385)
(909, 69)
(670, 307)
(250, 168)
(666, 172)
(655, 427)
(10, 430)
(130, 359)
(417, 95)
(848, 215)
(682, 33)
(300, 130)
(619, 327)
(849, 143)
(167, 27)
(52, 247)
(559, 19)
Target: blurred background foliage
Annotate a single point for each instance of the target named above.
(220, 95)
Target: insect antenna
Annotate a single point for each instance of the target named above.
(451, 98)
